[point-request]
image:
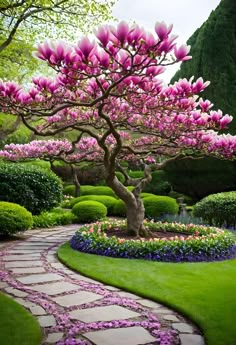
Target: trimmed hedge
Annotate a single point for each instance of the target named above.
(218, 209)
(159, 205)
(34, 188)
(89, 211)
(119, 209)
(106, 200)
(14, 218)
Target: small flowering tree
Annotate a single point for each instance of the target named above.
(110, 92)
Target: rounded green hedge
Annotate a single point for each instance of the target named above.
(159, 184)
(106, 200)
(218, 209)
(89, 211)
(159, 205)
(34, 188)
(119, 209)
(14, 218)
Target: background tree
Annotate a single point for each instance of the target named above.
(213, 48)
(110, 93)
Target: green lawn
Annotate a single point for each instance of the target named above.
(205, 292)
(17, 326)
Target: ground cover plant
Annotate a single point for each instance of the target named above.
(205, 292)
(17, 326)
(170, 242)
(109, 91)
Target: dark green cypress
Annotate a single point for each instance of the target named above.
(213, 48)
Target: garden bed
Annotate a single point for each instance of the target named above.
(171, 242)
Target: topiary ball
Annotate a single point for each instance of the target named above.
(14, 218)
(156, 206)
(217, 209)
(89, 211)
(106, 200)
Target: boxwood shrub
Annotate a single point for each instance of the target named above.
(218, 209)
(54, 217)
(89, 211)
(34, 188)
(14, 218)
(159, 205)
(119, 209)
(106, 200)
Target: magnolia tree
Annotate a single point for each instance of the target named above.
(110, 92)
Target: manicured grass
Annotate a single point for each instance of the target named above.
(17, 326)
(205, 292)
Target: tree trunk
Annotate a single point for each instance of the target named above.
(135, 218)
(75, 181)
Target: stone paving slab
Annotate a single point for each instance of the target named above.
(16, 292)
(76, 299)
(121, 336)
(40, 278)
(191, 339)
(47, 321)
(27, 270)
(53, 289)
(183, 327)
(54, 337)
(23, 257)
(13, 264)
(108, 313)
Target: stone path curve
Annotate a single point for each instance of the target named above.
(75, 310)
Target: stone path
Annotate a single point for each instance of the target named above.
(75, 310)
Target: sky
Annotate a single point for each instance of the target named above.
(185, 15)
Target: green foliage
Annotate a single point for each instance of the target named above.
(69, 190)
(213, 48)
(145, 195)
(119, 209)
(159, 184)
(136, 173)
(218, 209)
(187, 199)
(120, 176)
(89, 211)
(97, 190)
(201, 177)
(159, 205)
(55, 217)
(106, 200)
(32, 187)
(14, 218)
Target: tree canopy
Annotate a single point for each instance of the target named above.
(109, 91)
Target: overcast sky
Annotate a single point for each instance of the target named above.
(185, 15)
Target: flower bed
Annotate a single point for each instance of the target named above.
(199, 243)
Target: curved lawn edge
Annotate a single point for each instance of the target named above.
(193, 289)
(17, 325)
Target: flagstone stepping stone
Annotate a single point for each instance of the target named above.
(128, 295)
(108, 313)
(183, 327)
(54, 337)
(150, 304)
(39, 278)
(16, 292)
(52, 289)
(28, 270)
(3, 285)
(118, 336)
(171, 318)
(47, 321)
(37, 310)
(78, 298)
(13, 264)
(23, 257)
(191, 339)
